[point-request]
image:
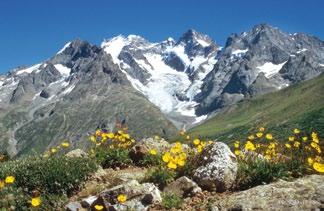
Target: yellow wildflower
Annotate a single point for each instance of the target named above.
(314, 134)
(251, 137)
(269, 136)
(296, 131)
(127, 136)
(188, 137)
(267, 157)
(166, 157)
(36, 201)
(305, 138)
(153, 152)
(10, 179)
(237, 144)
(172, 165)
(175, 150)
(315, 137)
(98, 207)
(310, 161)
(259, 135)
(183, 156)
(181, 162)
(318, 167)
(261, 129)
(65, 144)
(314, 144)
(93, 138)
(291, 138)
(249, 146)
(53, 150)
(182, 132)
(2, 184)
(121, 198)
(196, 141)
(110, 135)
(200, 148)
(98, 132)
(296, 144)
(237, 152)
(178, 144)
(288, 145)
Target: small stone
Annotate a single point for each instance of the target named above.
(183, 187)
(77, 153)
(87, 202)
(73, 206)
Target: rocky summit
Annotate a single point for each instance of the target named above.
(153, 88)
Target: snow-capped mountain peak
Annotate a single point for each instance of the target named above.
(166, 72)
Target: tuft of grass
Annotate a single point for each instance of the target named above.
(170, 200)
(161, 176)
(151, 160)
(112, 158)
(256, 172)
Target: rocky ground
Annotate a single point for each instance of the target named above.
(211, 192)
(305, 193)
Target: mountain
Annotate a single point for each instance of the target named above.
(154, 88)
(262, 60)
(298, 106)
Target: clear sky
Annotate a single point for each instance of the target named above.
(34, 30)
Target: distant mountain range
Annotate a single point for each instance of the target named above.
(153, 88)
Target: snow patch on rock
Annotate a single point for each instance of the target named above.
(28, 70)
(64, 47)
(65, 71)
(269, 69)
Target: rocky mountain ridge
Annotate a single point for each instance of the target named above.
(179, 83)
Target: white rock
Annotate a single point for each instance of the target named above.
(218, 171)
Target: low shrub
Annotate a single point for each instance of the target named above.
(170, 200)
(161, 176)
(150, 160)
(52, 175)
(112, 158)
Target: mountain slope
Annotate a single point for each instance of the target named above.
(49, 104)
(300, 105)
(156, 88)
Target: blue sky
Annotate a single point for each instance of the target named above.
(34, 30)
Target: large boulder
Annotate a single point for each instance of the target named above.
(182, 187)
(217, 168)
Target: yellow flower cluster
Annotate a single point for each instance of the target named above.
(273, 150)
(200, 145)
(119, 139)
(175, 157)
(65, 144)
(196, 143)
(7, 181)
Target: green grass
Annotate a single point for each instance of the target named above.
(170, 201)
(300, 105)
